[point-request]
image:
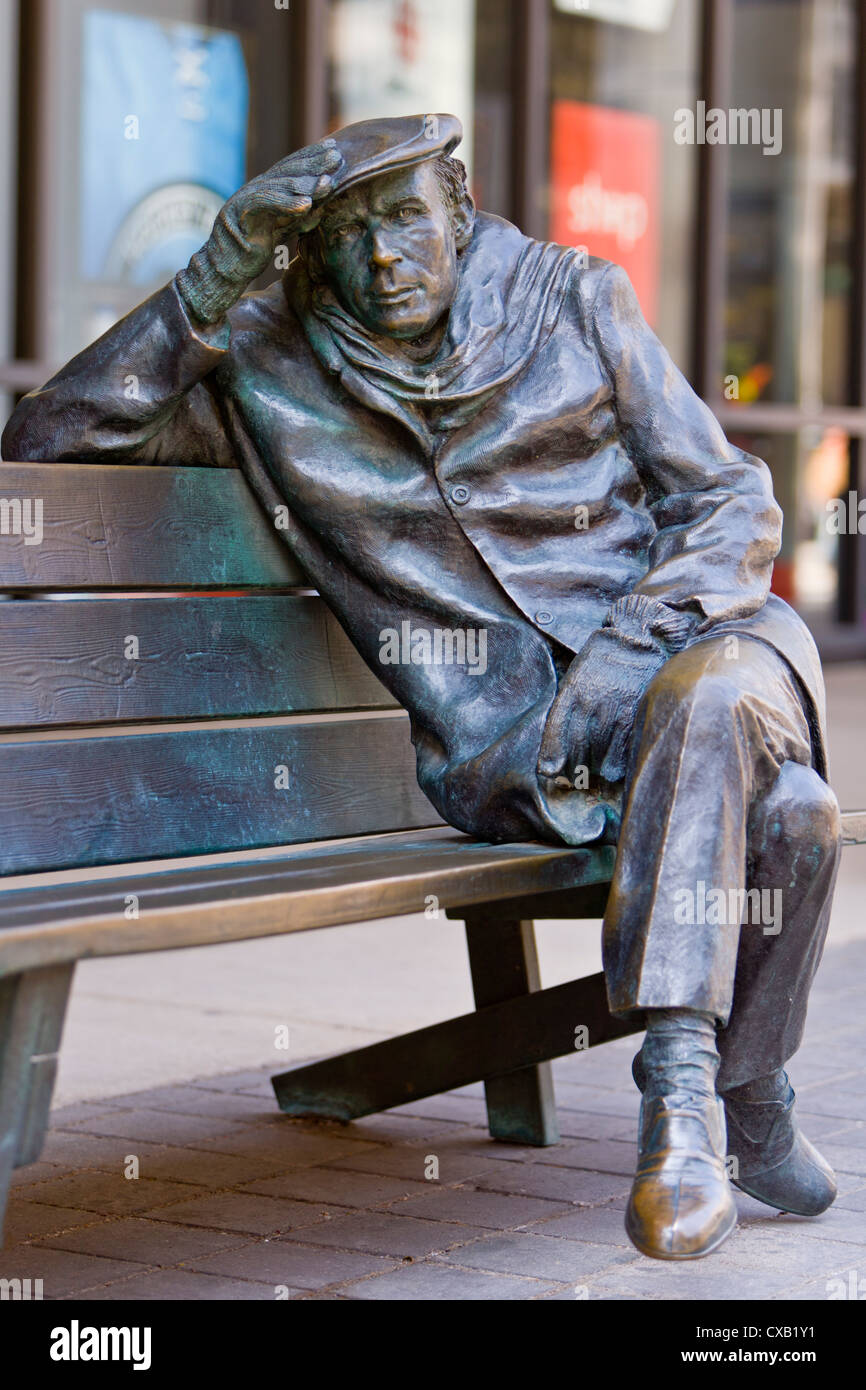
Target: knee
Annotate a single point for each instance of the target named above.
(801, 809)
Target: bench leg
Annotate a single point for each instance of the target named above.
(32, 1009)
(521, 1108)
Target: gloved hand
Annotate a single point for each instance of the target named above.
(591, 720)
(257, 218)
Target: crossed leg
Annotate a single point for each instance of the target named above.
(719, 907)
(720, 797)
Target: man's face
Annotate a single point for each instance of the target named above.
(390, 253)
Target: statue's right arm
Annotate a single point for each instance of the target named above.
(142, 393)
(145, 392)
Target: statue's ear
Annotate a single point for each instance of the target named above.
(463, 219)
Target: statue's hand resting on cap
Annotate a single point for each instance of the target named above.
(284, 200)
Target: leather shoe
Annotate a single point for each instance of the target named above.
(776, 1163)
(681, 1205)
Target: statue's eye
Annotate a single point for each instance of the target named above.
(342, 233)
(405, 214)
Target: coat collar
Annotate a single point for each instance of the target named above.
(509, 293)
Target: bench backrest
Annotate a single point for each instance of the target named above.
(163, 596)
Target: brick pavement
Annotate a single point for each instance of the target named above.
(233, 1200)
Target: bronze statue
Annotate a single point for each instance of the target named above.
(477, 445)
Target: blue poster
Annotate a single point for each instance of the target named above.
(163, 142)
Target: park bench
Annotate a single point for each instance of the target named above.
(162, 597)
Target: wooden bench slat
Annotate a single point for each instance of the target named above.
(204, 790)
(65, 662)
(298, 891)
(110, 526)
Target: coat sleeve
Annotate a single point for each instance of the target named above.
(718, 525)
(142, 393)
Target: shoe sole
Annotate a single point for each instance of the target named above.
(788, 1210)
(692, 1254)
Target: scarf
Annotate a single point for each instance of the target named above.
(510, 290)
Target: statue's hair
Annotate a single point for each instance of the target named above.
(451, 178)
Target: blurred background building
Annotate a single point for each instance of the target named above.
(599, 123)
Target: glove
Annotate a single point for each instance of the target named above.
(253, 221)
(591, 720)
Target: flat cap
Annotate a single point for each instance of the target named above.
(391, 142)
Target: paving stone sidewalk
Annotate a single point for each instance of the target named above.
(233, 1200)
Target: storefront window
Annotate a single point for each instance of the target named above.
(810, 469)
(163, 144)
(392, 57)
(396, 57)
(791, 204)
(144, 129)
(620, 184)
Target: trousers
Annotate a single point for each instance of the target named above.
(727, 854)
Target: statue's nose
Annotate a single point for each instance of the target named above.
(382, 252)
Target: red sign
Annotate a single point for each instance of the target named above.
(605, 172)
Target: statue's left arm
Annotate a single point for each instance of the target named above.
(711, 560)
(719, 527)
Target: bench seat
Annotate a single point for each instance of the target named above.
(354, 881)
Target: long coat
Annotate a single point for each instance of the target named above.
(550, 459)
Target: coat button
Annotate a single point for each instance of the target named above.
(543, 618)
(460, 494)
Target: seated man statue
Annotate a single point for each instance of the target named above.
(459, 429)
